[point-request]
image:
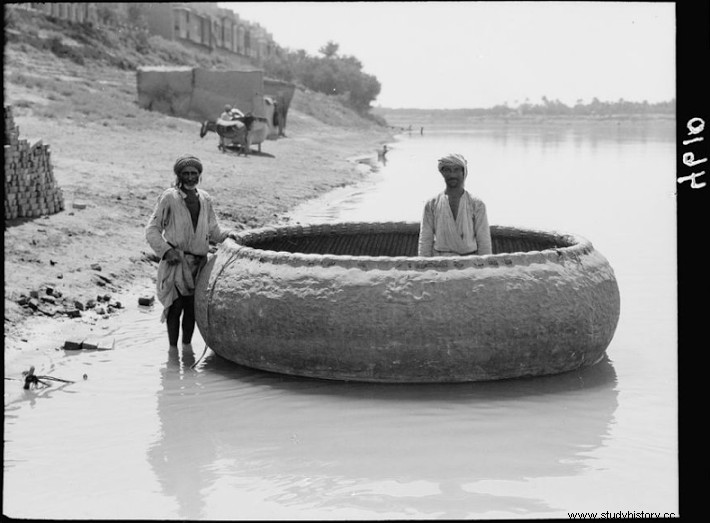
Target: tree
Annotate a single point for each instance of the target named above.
(329, 50)
(330, 73)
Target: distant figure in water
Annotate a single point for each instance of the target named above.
(382, 155)
(455, 222)
(421, 131)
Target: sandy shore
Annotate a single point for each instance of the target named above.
(111, 175)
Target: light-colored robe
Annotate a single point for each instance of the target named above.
(442, 235)
(171, 225)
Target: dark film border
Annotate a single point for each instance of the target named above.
(693, 86)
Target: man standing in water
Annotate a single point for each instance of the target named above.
(455, 222)
(179, 231)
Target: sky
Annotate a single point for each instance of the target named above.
(448, 55)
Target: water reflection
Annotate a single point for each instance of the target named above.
(180, 459)
(449, 500)
(377, 448)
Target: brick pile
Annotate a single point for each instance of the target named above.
(30, 187)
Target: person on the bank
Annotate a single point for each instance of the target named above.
(226, 116)
(179, 231)
(455, 222)
(248, 120)
(382, 155)
(227, 113)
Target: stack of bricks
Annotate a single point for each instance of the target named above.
(30, 187)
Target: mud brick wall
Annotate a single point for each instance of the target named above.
(30, 187)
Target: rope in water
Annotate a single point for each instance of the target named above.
(200, 358)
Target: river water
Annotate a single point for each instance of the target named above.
(182, 434)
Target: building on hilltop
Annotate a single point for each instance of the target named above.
(81, 12)
(198, 25)
(206, 25)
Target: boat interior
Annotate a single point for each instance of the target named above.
(400, 240)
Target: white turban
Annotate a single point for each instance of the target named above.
(456, 160)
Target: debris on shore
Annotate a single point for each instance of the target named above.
(31, 379)
(87, 345)
(146, 300)
(51, 302)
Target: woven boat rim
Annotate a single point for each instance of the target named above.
(577, 246)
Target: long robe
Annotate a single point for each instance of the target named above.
(442, 235)
(169, 226)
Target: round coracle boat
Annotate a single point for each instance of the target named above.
(353, 301)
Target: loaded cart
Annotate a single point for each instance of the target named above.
(200, 94)
(238, 133)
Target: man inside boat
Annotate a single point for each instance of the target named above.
(180, 230)
(454, 223)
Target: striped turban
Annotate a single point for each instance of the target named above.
(187, 160)
(456, 160)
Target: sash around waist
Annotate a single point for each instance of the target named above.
(188, 253)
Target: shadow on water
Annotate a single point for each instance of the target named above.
(322, 445)
(600, 375)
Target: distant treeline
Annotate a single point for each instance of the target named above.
(595, 108)
(331, 74)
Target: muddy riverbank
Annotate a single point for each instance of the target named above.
(111, 171)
